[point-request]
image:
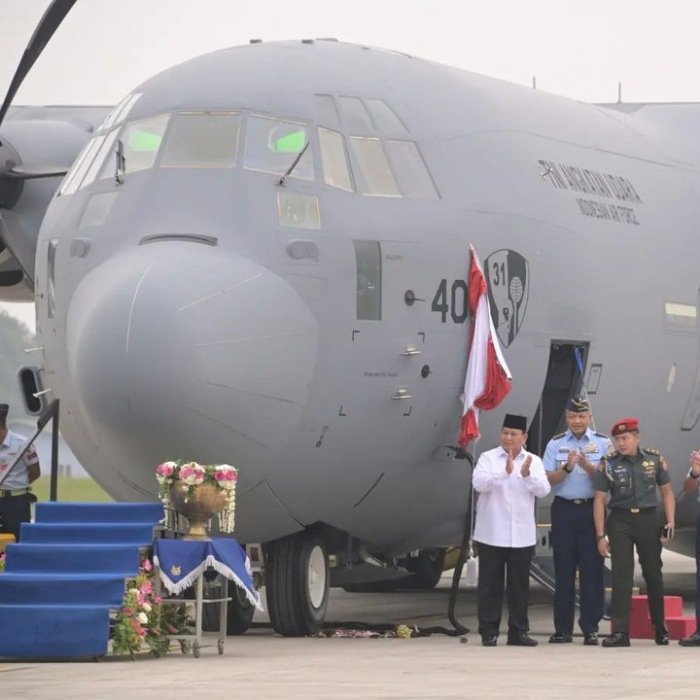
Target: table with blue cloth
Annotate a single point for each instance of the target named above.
(182, 563)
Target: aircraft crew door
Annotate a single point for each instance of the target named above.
(564, 379)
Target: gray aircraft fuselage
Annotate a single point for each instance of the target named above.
(314, 333)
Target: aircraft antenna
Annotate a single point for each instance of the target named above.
(619, 92)
(534, 82)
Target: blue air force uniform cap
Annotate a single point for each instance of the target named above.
(578, 405)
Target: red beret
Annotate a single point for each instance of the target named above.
(624, 425)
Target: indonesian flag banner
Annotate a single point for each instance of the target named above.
(488, 379)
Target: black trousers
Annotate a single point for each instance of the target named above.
(574, 545)
(496, 566)
(14, 510)
(625, 531)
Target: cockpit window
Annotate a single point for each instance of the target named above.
(141, 142)
(334, 158)
(326, 110)
(202, 140)
(374, 167)
(410, 170)
(75, 175)
(105, 153)
(272, 145)
(354, 115)
(120, 112)
(385, 118)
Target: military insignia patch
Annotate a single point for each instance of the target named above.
(508, 283)
(175, 570)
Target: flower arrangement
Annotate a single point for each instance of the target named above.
(143, 620)
(223, 476)
(2, 562)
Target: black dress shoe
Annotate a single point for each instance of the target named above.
(692, 641)
(489, 641)
(661, 637)
(590, 639)
(561, 638)
(521, 640)
(619, 639)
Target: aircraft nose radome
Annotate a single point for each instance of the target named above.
(190, 352)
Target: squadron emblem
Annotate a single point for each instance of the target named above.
(508, 283)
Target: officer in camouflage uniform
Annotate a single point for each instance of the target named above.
(631, 474)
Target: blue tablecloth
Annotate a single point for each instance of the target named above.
(181, 562)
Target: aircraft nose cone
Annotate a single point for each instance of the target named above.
(186, 351)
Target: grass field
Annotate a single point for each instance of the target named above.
(75, 490)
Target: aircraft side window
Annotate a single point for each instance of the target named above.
(326, 110)
(51, 278)
(105, 150)
(142, 140)
(410, 170)
(374, 167)
(75, 175)
(272, 146)
(368, 259)
(298, 210)
(202, 140)
(334, 158)
(385, 118)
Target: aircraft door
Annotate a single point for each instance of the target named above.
(564, 379)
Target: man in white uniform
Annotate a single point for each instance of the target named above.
(507, 479)
(15, 494)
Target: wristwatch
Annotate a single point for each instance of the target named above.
(598, 538)
(693, 475)
(567, 468)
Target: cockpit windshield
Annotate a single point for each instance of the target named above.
(272, 146)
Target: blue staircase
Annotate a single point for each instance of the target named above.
(67, 573)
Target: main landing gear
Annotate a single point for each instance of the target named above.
(297, 579)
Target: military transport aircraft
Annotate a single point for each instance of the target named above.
(259, 257)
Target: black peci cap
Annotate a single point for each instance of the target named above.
(4, 410)
(516, 422)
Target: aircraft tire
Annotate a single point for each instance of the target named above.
(297, 584)
(426, 568)
(240, 612)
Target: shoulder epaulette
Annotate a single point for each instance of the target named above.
(651, 451)
(559, 435)
(603, 435)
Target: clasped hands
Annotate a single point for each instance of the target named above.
(524, 469)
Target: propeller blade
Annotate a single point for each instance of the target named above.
(44, 31)
(21, 173)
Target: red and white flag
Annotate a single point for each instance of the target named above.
(488, 378)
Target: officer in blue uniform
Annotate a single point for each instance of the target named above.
(571, 460)
(631, 474)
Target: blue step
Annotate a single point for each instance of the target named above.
(65, 558)
(52, 631)
(87, 533)
(66, 574)
(99, 512)
(87, 589)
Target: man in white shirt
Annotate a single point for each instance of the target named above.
(508, 479)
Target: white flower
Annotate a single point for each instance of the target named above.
(142, 618)
(147, 607)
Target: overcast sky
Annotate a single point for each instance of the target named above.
(580, 49)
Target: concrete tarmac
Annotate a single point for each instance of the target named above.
(262, 665)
